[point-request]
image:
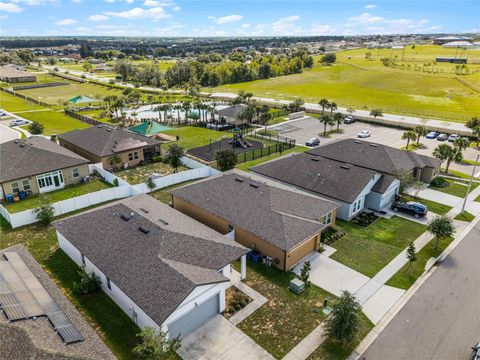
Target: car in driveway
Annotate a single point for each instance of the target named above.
(442, 137)
(364, 134)
(349, 119)
(312, 142)
(410, 207)
(453, 137)
(18, 122)
(432, 135)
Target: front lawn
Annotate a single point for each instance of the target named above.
(403, 279)
(139, 174)
(286, 318)
(466, 216)
(54, 122)
(456, 188)
(368, 250)
(432, 206)
(68, 192)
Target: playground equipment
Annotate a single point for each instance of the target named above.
(238, 139)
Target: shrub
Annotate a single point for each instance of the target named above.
(365, 218)
(157, 158)
(35, 128)
(330, 235)
(88, 283)
(440, 182)
(155, 345)
(115, 182)
(344, 323)
(111, 81)
(150, 183)
(45, 214)
(226, 159)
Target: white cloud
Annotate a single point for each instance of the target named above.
(226, 19)
(367, 23)
(10, 8)
(366, 18)
(321, 29)
(97, 17)
(151, 3)
(370, 6)
(65, 22)
(155, 13)
(286, 26)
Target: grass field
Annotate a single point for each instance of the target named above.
(456, 188)
(12, 103)
(361, 83)
(54, 122)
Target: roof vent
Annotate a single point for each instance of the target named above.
(16, 141)
(346, 166)
(109, 130)
(315, 159)
(99, 126)
(125, 217)
(143, 229)
(239, 180)
(144, 210)
(374, 145)
(163, 221)
(254, 186)
(357, 142)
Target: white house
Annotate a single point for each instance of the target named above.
(162, 268)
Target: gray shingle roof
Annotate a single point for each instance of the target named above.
(322, 176)
(284, 218)
(374, 156)
(383, 183)
(102, 140)
(156, 270)
(232, 111)
(33, 156)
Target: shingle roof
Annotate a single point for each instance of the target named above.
(33, 156)
(102, 140)
(334, 179)
(383, 183)
(13, 71)
(374, 156)
(157, 270)
(285, 218)
(232, 111)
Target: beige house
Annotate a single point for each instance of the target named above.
(12, 73)
(113, 147)
(281, 225)
(37, 165)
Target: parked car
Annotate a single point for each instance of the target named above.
(453, 137)
(312, 142)
(412, 208)
(432, 135)
(364, 134)
(18, 122)
(442, 137)
(2, 112)
(349, 119)
(475, 352)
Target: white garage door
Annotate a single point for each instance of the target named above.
(195, 318)
(388, 198)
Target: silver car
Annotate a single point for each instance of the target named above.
(18, 122)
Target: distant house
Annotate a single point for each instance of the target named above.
(446, 39)
(265, 216)
(101, 143)
(357, 174)
(38, 165)
(162, 268)
(12, 73)
(231, 114)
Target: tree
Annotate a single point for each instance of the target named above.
(174, 156)
(226, 159)
(332, 106)
(265, 117)
(328, 59)
(305, 273)
(376, 113)
(155, 345)
(323, 103)
(45, 214)
(420, 131)
(296, 104)
(35, 128)
(441, 227)
(409, 136)
(474, 125)
(406, 179)
(344, 323)
(88, 283)
(326, 120)
(462, 143)
(338, 118)
(411, 256)
(448, 153)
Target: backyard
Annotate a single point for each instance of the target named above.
(139, 174)
(368, 250)
(68, 192)
(54, 122)
(163, 194)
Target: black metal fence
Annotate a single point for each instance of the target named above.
(37, 86)
(83, 118)
(24, 97)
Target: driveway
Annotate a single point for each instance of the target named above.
(220, 339)
(8, 134)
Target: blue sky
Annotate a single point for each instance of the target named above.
(235, 18)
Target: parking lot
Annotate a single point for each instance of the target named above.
(7, 133)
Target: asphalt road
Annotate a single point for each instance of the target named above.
(442, 319)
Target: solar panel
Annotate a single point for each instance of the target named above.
(9, 302)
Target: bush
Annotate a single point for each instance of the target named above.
(440, 182)
(157, 159)
(45, 214)
(35, 128)
(330, 235)
(150, 183)
(115, 182)
(365, 218)
(226, 159)
(111, 81)
(88, 283)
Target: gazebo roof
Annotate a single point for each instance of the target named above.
(81, 99)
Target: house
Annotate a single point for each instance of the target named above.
(274, 220)
(12, 73)
(357, 174)
(37, 165)
(162, 268)
(110, 146)
(231, 114)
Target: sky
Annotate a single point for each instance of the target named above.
(235, 17)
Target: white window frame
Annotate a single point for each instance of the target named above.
(75, 172)
(327, 219)
(15, 185)
(26, 185)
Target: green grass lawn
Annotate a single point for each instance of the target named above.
(405, 278)
(286, 318)
(107, 319)
(140, 174)
(432, 206)
(191, 137)
(477, 198)
(455, 188)
(368, 250)
(246, 165)
(163, 195)
(278, 120)
(466, 216)
(12, 103)
(54, 122)
(68, 192)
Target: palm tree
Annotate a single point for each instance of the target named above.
(332, 108)
(338, 117)
(376, 113)
(265, 117)
(323, 103)
(420, 131)
(409, 135)
(326, 120)
(462, 143)
(186, 106)
(448, 153)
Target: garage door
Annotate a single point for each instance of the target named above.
(388, 198)
(195, 318)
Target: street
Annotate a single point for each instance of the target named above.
(442, 319)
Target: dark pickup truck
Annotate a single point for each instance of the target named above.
(412, 208)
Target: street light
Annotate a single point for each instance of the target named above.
(470, 184)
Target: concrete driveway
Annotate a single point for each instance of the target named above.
(220, 339)
(8, 134)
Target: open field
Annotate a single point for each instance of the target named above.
(54, 122)
(361, 83)
(12, 103)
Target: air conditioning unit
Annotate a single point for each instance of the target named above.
(296, 285)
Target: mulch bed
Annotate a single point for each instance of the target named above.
(208, 152)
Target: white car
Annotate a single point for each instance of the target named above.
(364, 134)
(18, 122)
(2, 113)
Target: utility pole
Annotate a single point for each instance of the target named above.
(469, 184)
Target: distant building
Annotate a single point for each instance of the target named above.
(458, 44)
(446, 39)
(12, 73)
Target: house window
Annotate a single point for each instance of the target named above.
(327, 219)
(83, 259)
(357, 205)
(26, 185)
(133, 156)
(75, 172)
(15, 188)
(109, 285)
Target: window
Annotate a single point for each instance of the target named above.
(109, 285)
(75, 172)
(133, 156)
(327, 219)
(15, 188)
(357, 205)
(26, 185)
